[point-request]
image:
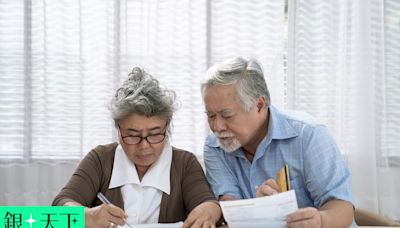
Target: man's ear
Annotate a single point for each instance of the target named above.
(259, 107)
(260, 103)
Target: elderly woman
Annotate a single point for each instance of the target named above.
(143, 176)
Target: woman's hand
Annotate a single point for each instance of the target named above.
(204, 215)
(105, 216)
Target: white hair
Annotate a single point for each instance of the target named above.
(245, 74)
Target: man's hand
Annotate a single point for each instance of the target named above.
(205, 215)
(105, 215)
(334, 213)
(268, 188)
(308, 217)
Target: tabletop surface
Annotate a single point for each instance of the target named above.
(225, 226)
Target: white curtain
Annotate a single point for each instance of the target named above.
(61, 61)
(343, 67)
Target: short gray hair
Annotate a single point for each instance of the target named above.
(247, 76)
(141, 94)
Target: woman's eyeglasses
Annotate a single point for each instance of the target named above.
(151, 139)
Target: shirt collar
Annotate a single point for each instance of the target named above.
(279, 126)
(157, 176)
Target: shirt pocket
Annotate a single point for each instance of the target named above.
(302, 195)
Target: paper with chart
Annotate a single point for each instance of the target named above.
(267, 211)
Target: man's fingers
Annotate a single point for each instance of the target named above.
(302, 214)
(272, 183)
(299, 224)
(305, 217)
(265, 190)
(268, 188)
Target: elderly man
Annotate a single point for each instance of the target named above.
(252, 140)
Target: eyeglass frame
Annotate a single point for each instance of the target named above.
(141, 138)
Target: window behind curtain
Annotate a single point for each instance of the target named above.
(61, 61)
(251, 28)
(343, 69)
(391, 130)
(314, 66)
(59, 67)
(12, 75)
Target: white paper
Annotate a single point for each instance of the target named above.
(155, 225)
(267, 211)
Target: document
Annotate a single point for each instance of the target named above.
(156, 225)
(267, 211)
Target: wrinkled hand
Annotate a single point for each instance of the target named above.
(308, 217)
(103, 215)
(268, 188)
(204, 215)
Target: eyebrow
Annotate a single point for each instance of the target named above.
(226, 111)
(151, 129)
(222, 112)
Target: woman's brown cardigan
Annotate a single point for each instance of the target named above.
(189, 186)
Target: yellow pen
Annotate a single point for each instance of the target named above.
(282, 177)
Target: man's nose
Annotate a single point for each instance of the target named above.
(219, 124)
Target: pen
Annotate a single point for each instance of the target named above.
(282, 177)
(103, 199)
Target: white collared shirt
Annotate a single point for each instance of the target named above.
(142, 199)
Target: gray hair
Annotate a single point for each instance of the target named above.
(141, 94)
(245, 74)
